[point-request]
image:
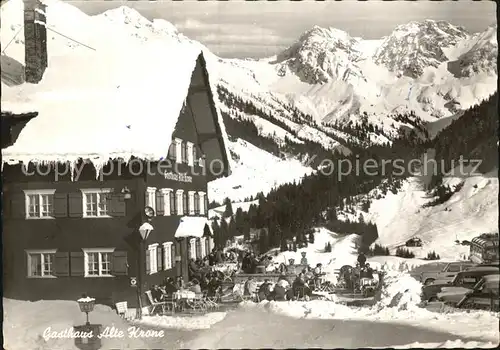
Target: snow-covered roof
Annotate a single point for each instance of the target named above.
(113, 97)
(192, 226)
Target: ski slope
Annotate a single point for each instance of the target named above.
(255, 171)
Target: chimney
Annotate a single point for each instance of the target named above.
(35, 40)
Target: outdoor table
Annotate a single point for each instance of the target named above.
(182, 296)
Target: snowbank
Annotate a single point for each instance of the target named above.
(184, 322)
(399, 303)
(450, 344)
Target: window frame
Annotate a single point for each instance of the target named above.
(167, 262)
(192, 248)
(153, 258)
(151, 198)
(179, 198)
(30, 252)
(191, 206)
(203, 197)
(87, 251)
(39, 193)
(189, 153)
(203, 243)
(99, 192)
(178, 150)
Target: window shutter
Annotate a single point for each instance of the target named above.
(172, 254)
(77, 264)
(61, 264)
(185, 203)
(198, 248)
(75, 204)
(18, 206)
(207, 246)
(120, 263)
(117, 206)
(148, 261)
(159, 258)
(160, 207)
(60, 205)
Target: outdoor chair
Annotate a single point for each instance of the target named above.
(170, 303)
(197, 304)
(211, 304)
(154, 306)
(121, 309)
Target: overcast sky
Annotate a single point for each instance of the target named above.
(259, 29)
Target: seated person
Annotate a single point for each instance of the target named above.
(278, 293)
(213, 286)
(264, 290)
(284, 281)
(193, 270)
(308, 275)
(195, 287)
(250, 286)
(179, 283)
(300, 288)
(170, 286)
(366, 272)
(156, 293)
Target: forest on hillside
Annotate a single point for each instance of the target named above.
(292, 210)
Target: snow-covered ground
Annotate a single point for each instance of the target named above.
(399, 304)
(255, 171)
(184, 322)
(468, 213)
(400, 301)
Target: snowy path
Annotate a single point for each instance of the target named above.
(263, 329)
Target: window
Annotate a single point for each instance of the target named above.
(192, 248)
(172, 203)
(153, 258)
(151, 197)
(178, 150)
(195, 159)
(202, 203)
(454, 268)
(167, 255)
(203, 247)
(185, 204)
(171, 150)
(165, 201)
(98, 262)
(180, 206)
(96, 202)
(191, 203)
(41, 263)
(39, 204)
(184, 152)
(189, 151)
(196, 204)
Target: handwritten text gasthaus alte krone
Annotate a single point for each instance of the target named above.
(108, 332)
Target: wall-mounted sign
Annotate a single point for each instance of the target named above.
(133, 281)
(178, 177)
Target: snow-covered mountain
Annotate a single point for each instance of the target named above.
(327, 76)
(415, 46)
